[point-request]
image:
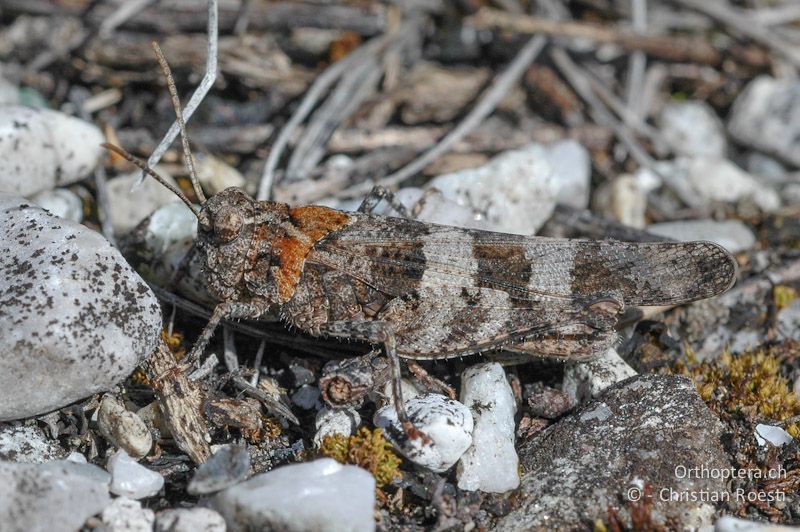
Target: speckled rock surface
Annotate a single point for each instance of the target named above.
(75, 319)
(649, 429)
(41, 149)
(38, 497)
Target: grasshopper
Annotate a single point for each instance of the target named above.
(422, 291)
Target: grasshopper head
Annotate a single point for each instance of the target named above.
(225, 226)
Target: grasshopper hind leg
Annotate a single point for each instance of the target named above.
(379, 332)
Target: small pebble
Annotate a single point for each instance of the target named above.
(75, 318)
(693, 128)
(312, 496)
(718, 179)
(515, 191)
(446, 422)
(159, 244)
(41, 149)
(549, 403)
(123, 428)
(189, 520)
(62, 202)
(588, 379)
(774, 435)
(130, 479)
(728, 523)
(733, 235)
(38, 496)
(491, 463)
(766, 115)
(623, 200)
(127, 515)
(215, 175)
(572, 166)
(788, 324)
(28, 444)
(306, 397)
(338, 421)
(129, 207)
(229, 465)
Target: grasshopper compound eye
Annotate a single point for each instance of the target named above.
(228, 224)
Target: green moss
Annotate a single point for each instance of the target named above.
(783, 296)
(749, 384)
(366, 449)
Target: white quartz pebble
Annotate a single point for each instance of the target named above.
(129, 207)
(62, 202)
(491, 463)
(41, 149)
(39, 496)
(75, 319)
(123, 428)
(131, 479)
(588, 379)
(774, 435)
(335, 421)
(446, 422)
(189, 520)
(313, 496)
(127, 515)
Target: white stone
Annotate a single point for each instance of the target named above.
(446, 422)
(571, 166)
(623, 200)
(127, 515)
(123, 428)
(62, 202)
(408, 389)
(27, 444)
(586, 380)
(189, 520)
(718, 179)
(131, 479)
(788, 325)
(35, 497)
(41, 149)
(766, 115)
(90, 471)
(733, 235)
(491, 463)
(774, 435)
(215, 175)
(165, 239)
(430, 205)
(515, 191)
(337, 421)
(728, 523)
(75, 319)
(693, 128)
(129, 207)
(313, 496)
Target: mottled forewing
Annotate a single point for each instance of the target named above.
(397, 256)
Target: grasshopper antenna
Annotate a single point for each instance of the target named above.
(152, 173)
(176, 103)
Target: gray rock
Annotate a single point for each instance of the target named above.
(309, 497)
(131, 479)
(766, 115)
(718, 179)
(62, 202)
(47, 498)
(29, 445)
(692, 128)
(128, 208)
(585, 380)
(41, 149)
(75, 319)
(648, 430)
(189, 520)
(228, 466)
(127, 515)
(733, 235)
